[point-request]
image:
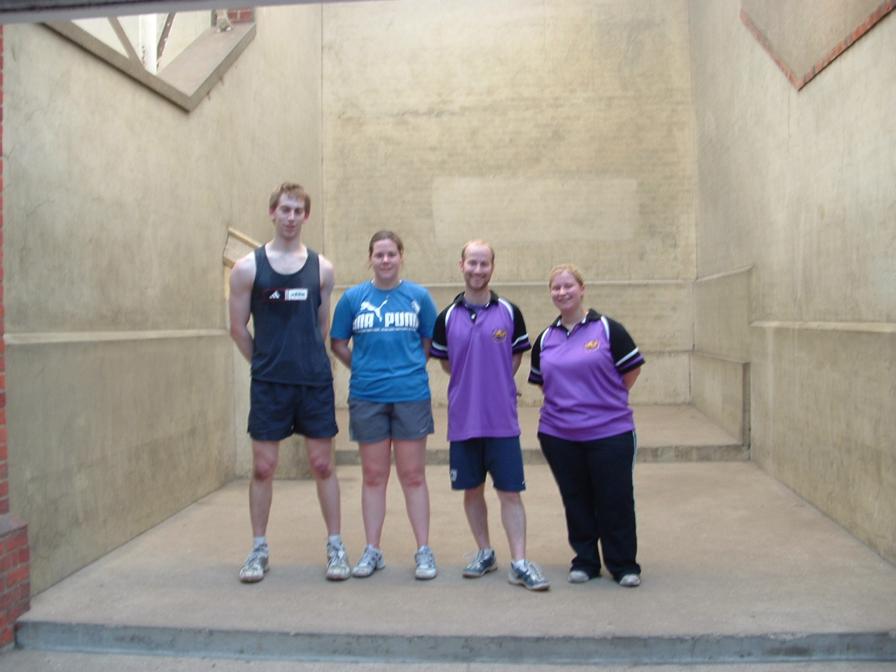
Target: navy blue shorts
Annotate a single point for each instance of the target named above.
(500, 456)
(278, 411)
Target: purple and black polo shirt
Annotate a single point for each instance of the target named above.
(580, 372)
(479, 342)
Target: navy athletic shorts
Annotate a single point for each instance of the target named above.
(278, 411)
(500, 456)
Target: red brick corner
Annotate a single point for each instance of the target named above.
(244, 15)
(15, 575)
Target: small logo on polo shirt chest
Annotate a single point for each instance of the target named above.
(499, 334)
(592, 345)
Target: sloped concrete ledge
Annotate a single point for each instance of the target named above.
(733, 452)
(189, 77)
(272, 645)
(666, 433)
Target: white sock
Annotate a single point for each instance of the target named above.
(335, 539)
(259, 541)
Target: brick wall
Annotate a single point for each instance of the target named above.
(15, 556)
(244, 15)
(15, 574)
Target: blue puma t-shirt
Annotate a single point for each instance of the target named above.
(385, 326)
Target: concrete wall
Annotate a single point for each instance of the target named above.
(120, 370)
(560, 131)
(801, 186)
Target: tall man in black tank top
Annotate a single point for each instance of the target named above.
(286, 288)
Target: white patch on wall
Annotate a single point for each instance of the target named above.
(525, 209)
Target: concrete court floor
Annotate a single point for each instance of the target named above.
(725, 549)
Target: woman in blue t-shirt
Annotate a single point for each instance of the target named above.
(390, 322)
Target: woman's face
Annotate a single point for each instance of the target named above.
(385, 260)
(566, 292)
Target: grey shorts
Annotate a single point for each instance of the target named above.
(371, 422)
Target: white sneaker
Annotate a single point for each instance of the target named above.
(528, 575)
(481, 564)
(426, 564)
(578, 576)
(337, 562)
(371, 560)
(256, 565)
(630, 581)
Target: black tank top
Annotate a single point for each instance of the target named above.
(288, 345)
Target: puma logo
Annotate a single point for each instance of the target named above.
(366, 305)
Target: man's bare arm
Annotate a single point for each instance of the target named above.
(242, 278)
(327, 281)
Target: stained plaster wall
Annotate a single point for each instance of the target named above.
(121, 373)
(796, 247)
(560, 131)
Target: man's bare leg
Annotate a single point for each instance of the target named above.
(477, 515)
(513, 515)
(261, 487)
(322, 463)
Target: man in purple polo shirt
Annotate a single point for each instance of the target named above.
(480, 339)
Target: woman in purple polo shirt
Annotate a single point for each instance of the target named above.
(586, 364)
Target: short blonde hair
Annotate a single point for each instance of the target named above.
(572, 269)
(477, 241)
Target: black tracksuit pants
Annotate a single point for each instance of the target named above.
(595, 481)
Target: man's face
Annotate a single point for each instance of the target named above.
(477, 267)
(288, 216)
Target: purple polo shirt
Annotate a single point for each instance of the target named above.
(580, 372)
(479, 343)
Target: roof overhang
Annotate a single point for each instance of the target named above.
(38, 11)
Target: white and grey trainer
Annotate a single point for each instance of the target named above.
(371, 560)
(528, 575)
(426, 564)
(481, 564)
(338, 568)
(256, 565)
